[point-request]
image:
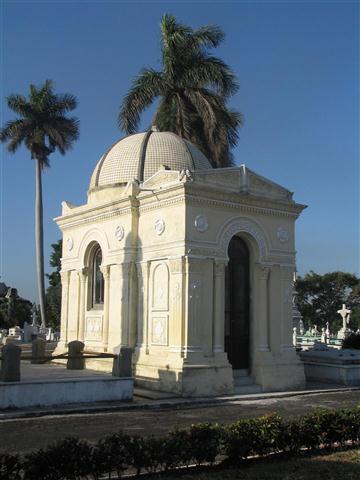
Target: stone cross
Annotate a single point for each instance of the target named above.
(345, 314)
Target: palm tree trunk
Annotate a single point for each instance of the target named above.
(39, 241)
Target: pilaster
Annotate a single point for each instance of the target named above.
(105, 270)
(177, 320)
(142, 312)
(219, 306)
(287, 275)
(83, 275)
(65, 281)
(262, 330)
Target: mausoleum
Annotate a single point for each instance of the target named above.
(189, 265)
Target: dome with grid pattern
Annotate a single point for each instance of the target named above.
(143, 154)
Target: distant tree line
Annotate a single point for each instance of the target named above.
(321, 296)
(14, 310)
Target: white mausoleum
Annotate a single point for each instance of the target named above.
(189, 265)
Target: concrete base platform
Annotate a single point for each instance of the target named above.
(341, 367)
(47, 385)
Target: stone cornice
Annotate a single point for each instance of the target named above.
(243, 203)
(98, 213)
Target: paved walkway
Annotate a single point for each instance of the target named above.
(158, 417)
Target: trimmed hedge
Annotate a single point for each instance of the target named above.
(352, 341)
(204, 443)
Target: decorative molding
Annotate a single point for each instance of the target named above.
(282, 234)
(70, 243)
(159, 330)
(119, 233)
(97, 217)
(201, 223)
(264, 272)
(105, 270)
(219, 266)
(176, 265)
(83, 273)
(251, 205)
(243, 225)
(65, 277)
(159, 226)
(94, 326)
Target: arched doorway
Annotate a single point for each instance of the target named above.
(237, 305)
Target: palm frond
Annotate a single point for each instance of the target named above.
(210, 72)
(146, 87)
(208, 36)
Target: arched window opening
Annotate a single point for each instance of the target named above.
(97, 279)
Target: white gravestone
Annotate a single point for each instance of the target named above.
(345, 315)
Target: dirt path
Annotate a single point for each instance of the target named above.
(21, 435)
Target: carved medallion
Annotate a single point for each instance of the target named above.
(159, 226)
(119, 233)
(201, 223)
(70, 243)
(282, 235)
(159, 331)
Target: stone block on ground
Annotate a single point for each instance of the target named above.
(76, 360)
(10, 363)
(122, 365)
(38, 348)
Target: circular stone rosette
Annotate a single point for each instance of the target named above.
(119, 233)
(201, 223)
(159, 226)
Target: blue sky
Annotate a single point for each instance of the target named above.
(298, 67)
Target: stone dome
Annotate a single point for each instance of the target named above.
(141, 155)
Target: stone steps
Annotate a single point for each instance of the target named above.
(247, 389)
(244, 383)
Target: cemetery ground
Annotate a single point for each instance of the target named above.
(22, 432)
(332, 466)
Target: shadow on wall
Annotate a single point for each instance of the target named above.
(167, 381)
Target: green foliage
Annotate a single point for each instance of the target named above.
(73, 459)
(320, 296)
(55, 262)
(42, 124)
(19, 312)
(68, 459)
(53, 292)
(110, 454)
(193, 87)
(10, 467)
(204, 434)
(247, 437)
(352, 341)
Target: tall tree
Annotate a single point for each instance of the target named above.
(193, 87)
(53, 292)
(42, 126)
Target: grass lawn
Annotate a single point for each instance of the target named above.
(340, 465)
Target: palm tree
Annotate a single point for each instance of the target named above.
(193, 88)
(43, 127)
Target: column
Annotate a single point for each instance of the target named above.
(105, 270)
(65, 280)
(262, 332)
(124, 277)
(219, 305)
(176, 317)
(275, 308)
(83, 273)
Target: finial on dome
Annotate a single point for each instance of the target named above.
(154, 128)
